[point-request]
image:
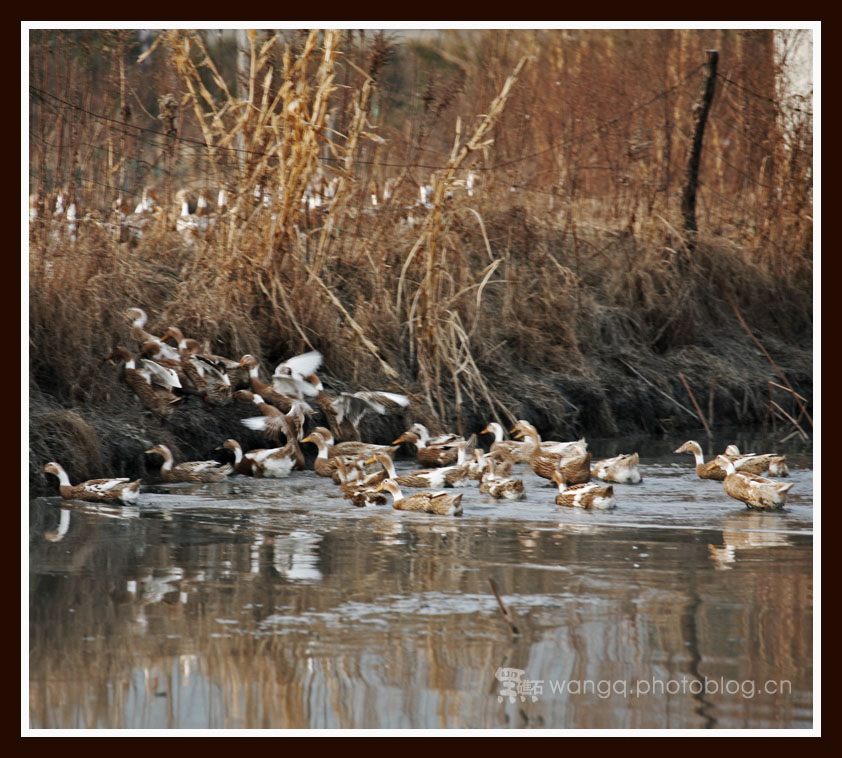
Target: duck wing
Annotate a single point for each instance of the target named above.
(154, 373)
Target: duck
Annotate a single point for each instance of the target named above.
(151, 351)
(775, 464)
(193, 471)
(441, 439)
(120, 490)
(526, 431)
(712, 470)
(290, 377)
(188, 224)
(345, 412)
(516, 448)
(272, 463)
(273, 423)
(439, 502)
(323, 465)
(158, 399)
(755, 491)
(144, 214)
(237, 375)
(621, 469)
(465, 471)
(430, 477)
(352, 448)
(500, 486)
(440, 453)
(575, 463)
(361, 490)
(138, 319)
(588, 496)
(266, 391)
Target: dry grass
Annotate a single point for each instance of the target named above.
(491, 305)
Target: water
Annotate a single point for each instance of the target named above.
(276, 604)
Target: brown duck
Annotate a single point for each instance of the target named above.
(439, 502)
(95, 490)
(755, 491)
(158, 399)
(586, 496)
(712, 470)
(273, 463)
(259, 387)
(429, 456)
(273, 424)
(193, 471)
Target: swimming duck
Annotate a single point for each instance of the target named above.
(323, 465)
(527, 432)
(582, 495)
(272, 463)
(158, 399)
(755, 491)
(193, 471)
(518, 449)
(290, 377)
(500, 486)
(712, 470)
(575, 463)
(441, 439)
(465, 471)
(439, 502)
(430, 477)
(95, 490)
(621, 469)
(776, 464)
(429, 456)
(361, 491)
(352, 448)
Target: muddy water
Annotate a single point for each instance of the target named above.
(277, 604)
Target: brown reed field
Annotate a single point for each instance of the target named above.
(549, 275)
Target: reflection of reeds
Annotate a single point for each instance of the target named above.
(187, 633)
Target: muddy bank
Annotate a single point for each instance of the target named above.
(110, 440)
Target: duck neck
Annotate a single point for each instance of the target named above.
(697, 454)
(238, 455)
(63, 479)
(389, 465)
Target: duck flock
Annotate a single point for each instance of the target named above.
(161, 374)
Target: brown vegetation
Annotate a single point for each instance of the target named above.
(559, 290)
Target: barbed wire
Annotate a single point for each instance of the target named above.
(197, 144)
(747, 90)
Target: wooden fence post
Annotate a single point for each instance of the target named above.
(700, 115)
